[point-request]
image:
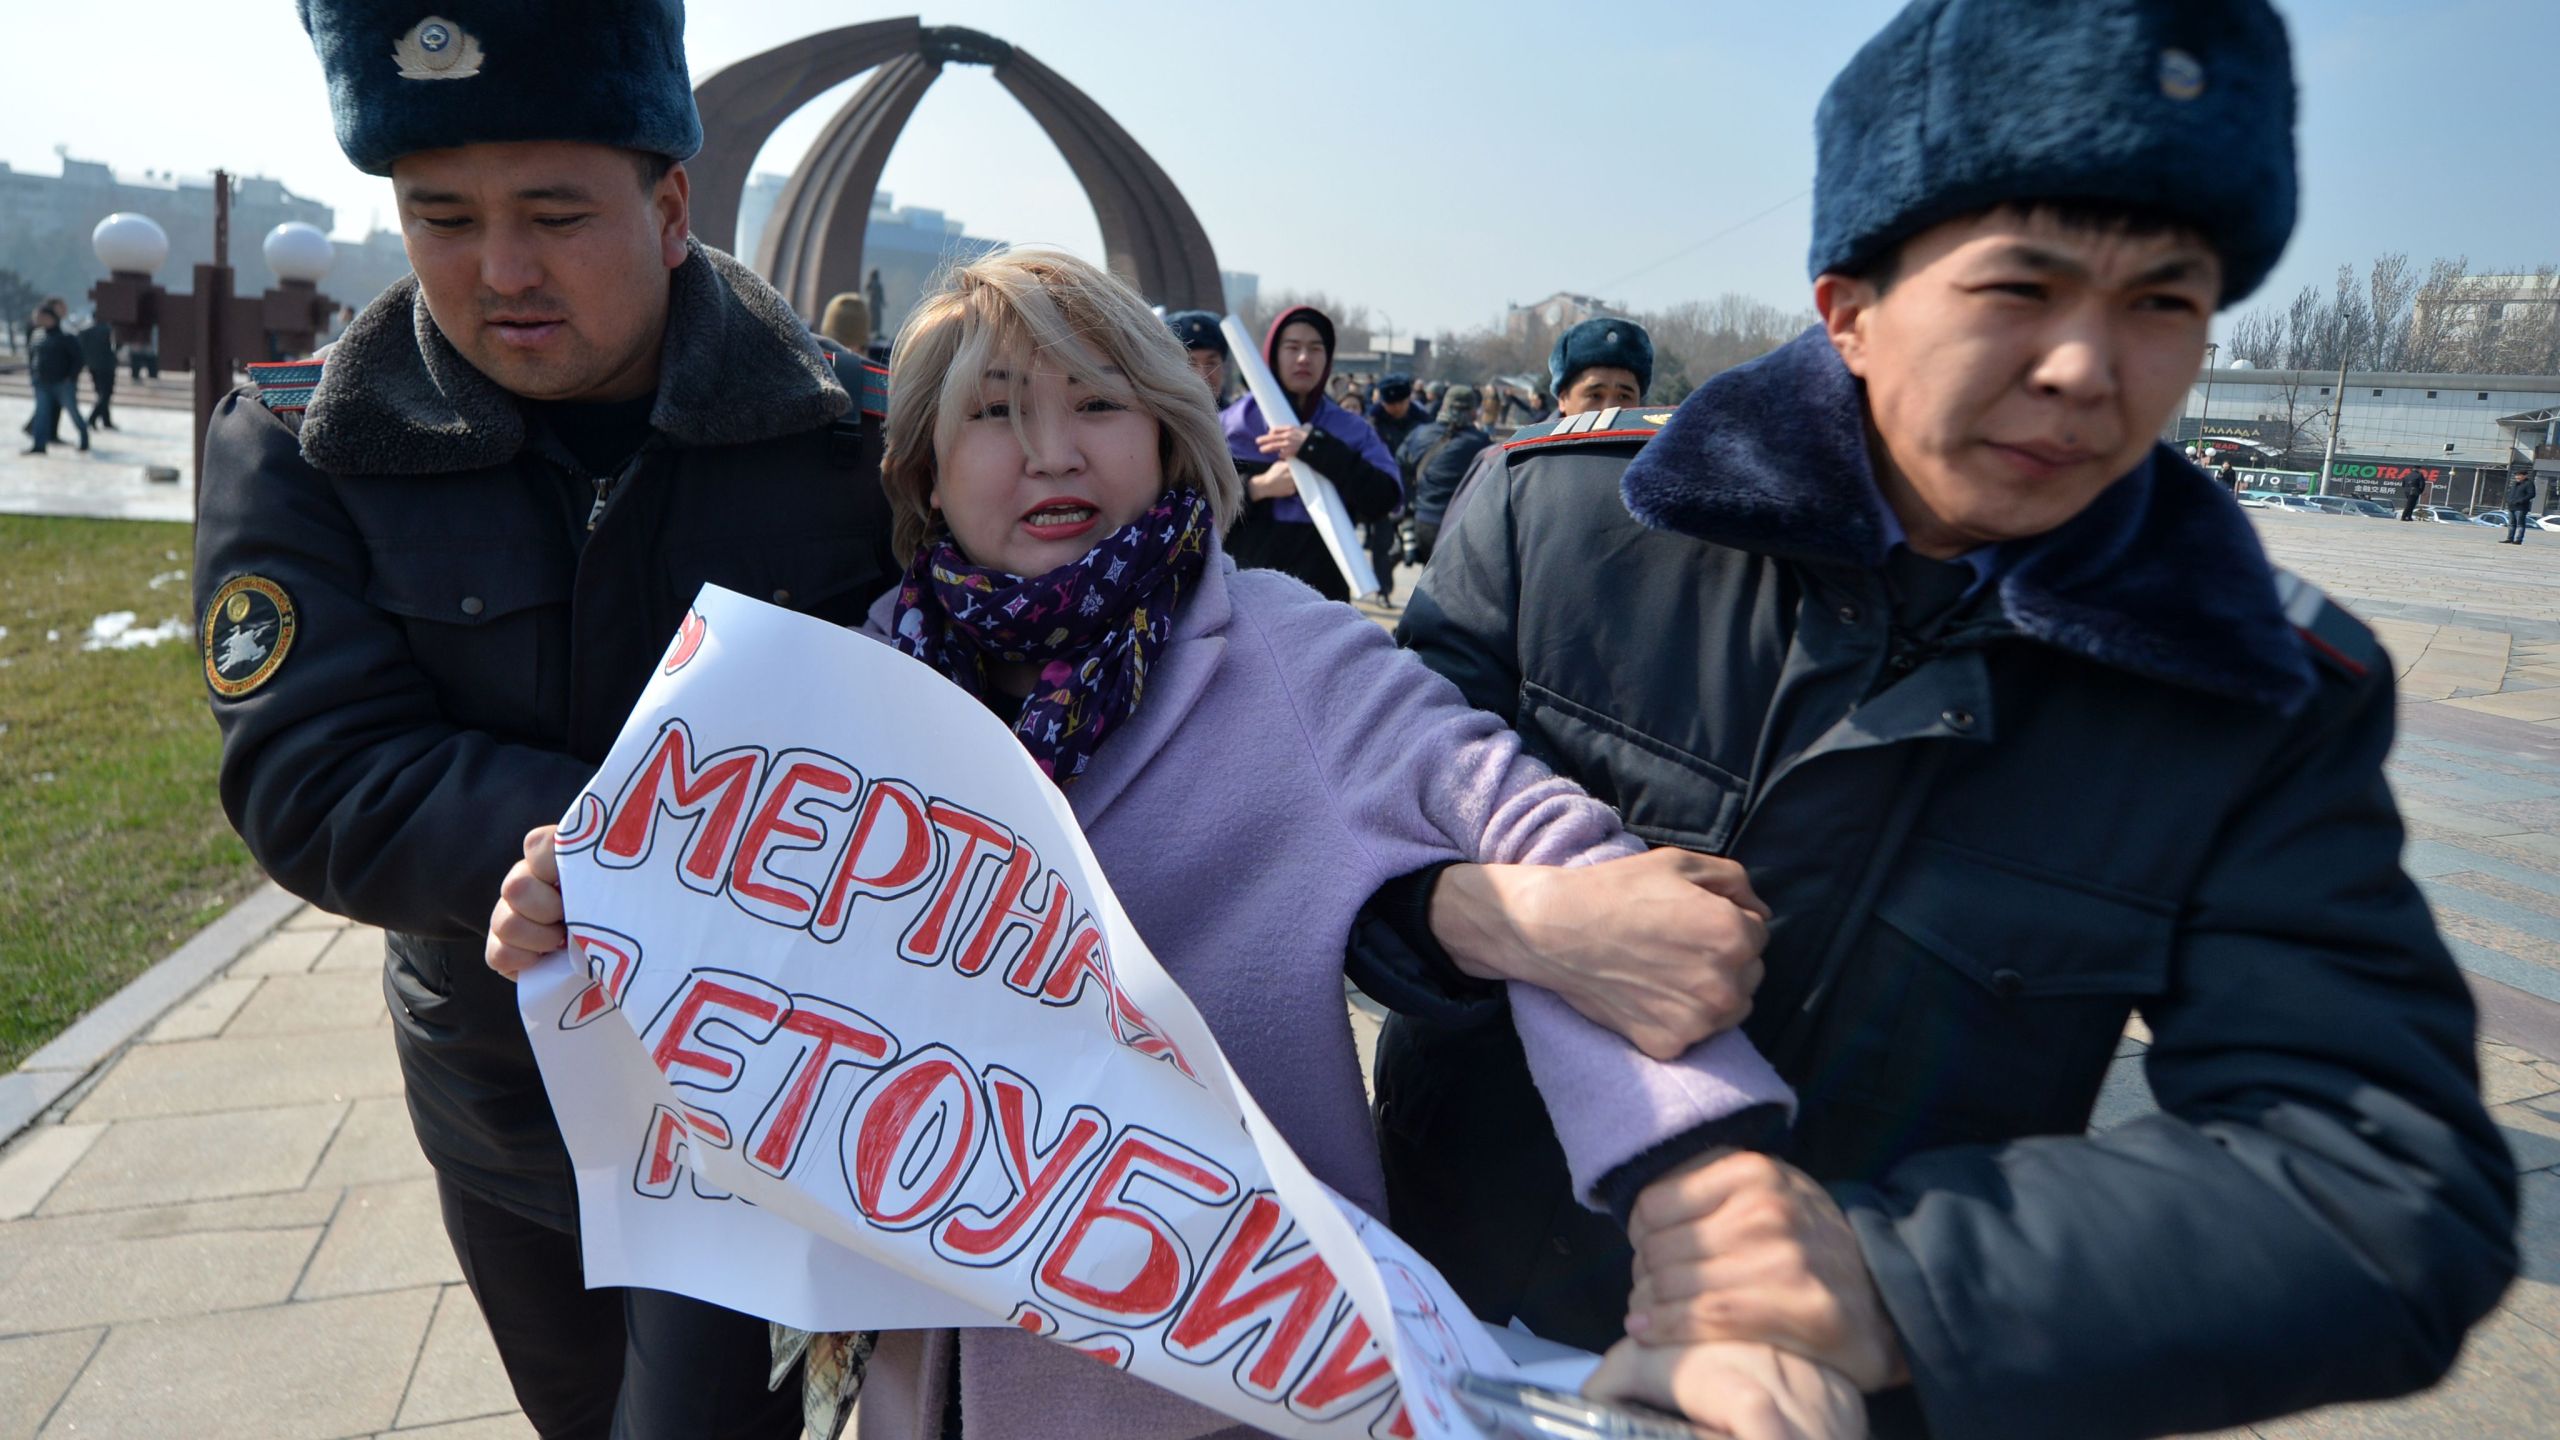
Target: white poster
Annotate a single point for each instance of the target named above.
(853, 1035)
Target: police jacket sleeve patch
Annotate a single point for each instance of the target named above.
(248, 627)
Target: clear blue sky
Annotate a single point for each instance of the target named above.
(1434, 161)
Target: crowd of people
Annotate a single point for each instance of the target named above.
(1720, 823)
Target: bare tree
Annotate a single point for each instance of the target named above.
(2438, 320)
(2393, 285)
(2259, 338)
(2305, 332)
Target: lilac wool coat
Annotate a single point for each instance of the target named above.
(1287, 760)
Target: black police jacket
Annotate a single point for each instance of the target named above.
(2120, 779)
(439, 652)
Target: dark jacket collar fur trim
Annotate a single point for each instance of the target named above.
(2162, 576)
(737, 366)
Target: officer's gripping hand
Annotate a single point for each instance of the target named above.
(1662, 948)
(1750, 1392)
(1743, 1247)
(527, 923)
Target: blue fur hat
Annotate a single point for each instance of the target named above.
(1197, 330)
(2181, 108)
(411, 75)
(1619, 343)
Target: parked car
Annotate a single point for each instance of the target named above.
(2259, 499)
(2371, 509)
(2491, 517)
(2328, 504)
(2546, 522)
(2443, 515)
(2295, 505)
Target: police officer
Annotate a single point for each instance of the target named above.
(2520, 497)
(2010, 720)
(1598, 367)
(1205, 345)
(434, 572)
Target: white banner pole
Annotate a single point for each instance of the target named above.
(1323, 502)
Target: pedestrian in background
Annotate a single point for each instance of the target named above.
(60, 310)
(2412, 490)
(54, 367)
(1275, 533)
(848, 322)
(1395, 416)
(2519, 506)
(1436, 457)
(98, 353)
(1205, 346)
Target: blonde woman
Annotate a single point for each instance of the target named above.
(1249, 761)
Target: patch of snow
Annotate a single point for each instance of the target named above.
(168, 577)
(115, 631)
(52, 635)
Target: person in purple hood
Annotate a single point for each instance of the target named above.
(1249, 761)
(1274, 532)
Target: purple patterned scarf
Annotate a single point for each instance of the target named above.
(1096, 625)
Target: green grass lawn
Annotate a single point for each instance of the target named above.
(113, 848)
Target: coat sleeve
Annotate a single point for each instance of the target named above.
(2320, 1208)
(1360, 468)
(1419, 776)
(340, 771)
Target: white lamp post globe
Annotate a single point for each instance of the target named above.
(296, 251)
(130, 244)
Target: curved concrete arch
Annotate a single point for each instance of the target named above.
(813, 244)
(804, 251)
(745, 103)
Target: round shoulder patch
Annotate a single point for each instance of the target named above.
(247, 630)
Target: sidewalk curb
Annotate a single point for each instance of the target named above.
(50, 1073)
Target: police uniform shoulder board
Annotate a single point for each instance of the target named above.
(2337, 639)
(1614, 426)
(285, 386)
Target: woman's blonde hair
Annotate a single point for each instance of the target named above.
(1024, 300)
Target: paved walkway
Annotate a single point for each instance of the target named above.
(226, 1230)
(154, 429)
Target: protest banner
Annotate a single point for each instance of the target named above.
(854, 1035)
(1324, 503)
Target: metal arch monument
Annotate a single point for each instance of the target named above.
(812, 247)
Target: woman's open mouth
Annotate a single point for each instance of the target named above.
(1061, 519)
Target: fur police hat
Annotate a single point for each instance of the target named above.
(411, 75)
(1392, 388)
(1958, 106)
(1618, 343)
(1197, 330)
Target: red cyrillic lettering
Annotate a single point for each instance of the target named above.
(610, 958)
(743, 1003)
(1353, 1371)
(1294, 1293)
(1006, 912)
(1039, 1178)
(666, 1153)
(801, 778)
(837, 1036)
(666, 782)
(921, 1111)
(965, 832)
(900, 872)
(1145, 1292)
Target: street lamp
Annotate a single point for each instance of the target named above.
(2212, 349)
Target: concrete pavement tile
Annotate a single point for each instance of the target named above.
(2532, 1131)
(37, 1163)
(297, 1210)
(286, 952)
(376, 1143)
(2537, 953)
(289, 1004)
(312, 917)
(34, 1371)
(202, 1015)
(358, 948)
(289, 1372)
(2534, 845)
(193, 1077)
(386, 1237)
(2421, 815)
(496, 1427)
(173, 1276)
(2536, 1293)
(2508, 1074)
(171, 1159)
(2522, 705)
(459, 1377)
(2506, 1383)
